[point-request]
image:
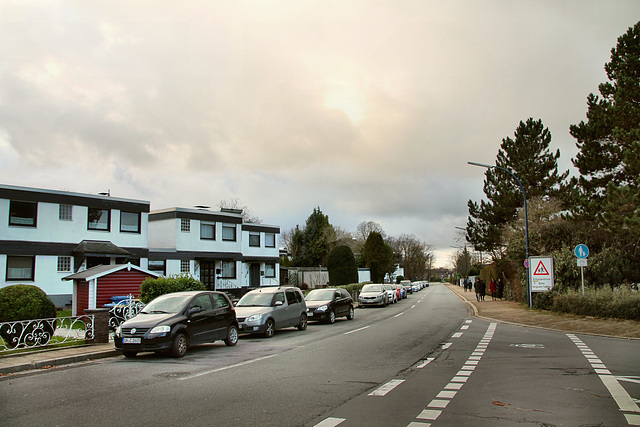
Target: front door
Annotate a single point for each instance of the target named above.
(208, 274)
(254, 275)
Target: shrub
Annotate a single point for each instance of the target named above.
(621, 303)
(341, 265)
(25, 302)
(152, 288)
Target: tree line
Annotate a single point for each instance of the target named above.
(599, 207)
(318, 243)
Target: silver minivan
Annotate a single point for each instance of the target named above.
(264, 310)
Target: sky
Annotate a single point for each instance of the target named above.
(369, 110)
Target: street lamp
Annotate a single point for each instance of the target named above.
(526, 220)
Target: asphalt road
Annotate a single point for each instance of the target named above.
(420, 362)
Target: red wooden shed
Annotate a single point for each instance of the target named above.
(94, 287)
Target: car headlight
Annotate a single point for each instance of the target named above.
(322, 308)
(254, 318)
(160, 329)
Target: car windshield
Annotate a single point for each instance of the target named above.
(167, 304)
(255, 300)
(372, 288)
(320, 295)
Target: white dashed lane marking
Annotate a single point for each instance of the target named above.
(386, 388)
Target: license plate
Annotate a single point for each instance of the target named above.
(131, 340)
(309, 314)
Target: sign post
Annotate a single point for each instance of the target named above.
(582, 252)
(541, 272)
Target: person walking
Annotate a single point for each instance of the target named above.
(465, 283)
(500, 288)
(483, 289)
(493, 289)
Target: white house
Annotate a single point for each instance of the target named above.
(47, 234)
(214, 247)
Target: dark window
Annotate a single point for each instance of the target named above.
(20, 268)
(254, 239)
(204, 302)
(229, 233)
(220, 301)
(291, 297)
(99, 219)
(185, 225)
(130, 222)
(185, 266)
(158, 266)
(208, 231)
(23, 214)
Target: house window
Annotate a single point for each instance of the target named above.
(270, 240)
(64, 264)
(65, 213)
(254, 239)
(228, 269)
(185, 225)
(270, 270)
(99, 219)
(185, 266)
(207, 230)
(130, 222)
(229, 232)
(20, 268)
(158, 266)
(23, 214)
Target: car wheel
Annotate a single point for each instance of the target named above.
(232, 336)
(303, 322)
(269, 328)
(179, 346)
(351, 314)
(332, 317)
(129, 354)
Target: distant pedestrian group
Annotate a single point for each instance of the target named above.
(496, 288)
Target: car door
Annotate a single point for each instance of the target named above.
(293, 308)
(280, 311)
(201, 319)
(342, 303)
(222, 314)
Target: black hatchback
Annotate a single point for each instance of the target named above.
(328, 303)
(174, 322)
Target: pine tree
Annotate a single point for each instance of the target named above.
(528, 157)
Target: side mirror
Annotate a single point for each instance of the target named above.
(195, 309)
(278, 303)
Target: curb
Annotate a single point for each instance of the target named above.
(65, 360)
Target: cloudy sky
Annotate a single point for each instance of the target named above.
(368, 109)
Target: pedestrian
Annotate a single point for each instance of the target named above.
(493, 289)
(465, 283)
(500, 288)
(476, 287)
(482, 287)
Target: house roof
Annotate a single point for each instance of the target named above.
(104, 270)
(99, 248)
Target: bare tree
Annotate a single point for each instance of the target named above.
(236, 204)
(366, 227)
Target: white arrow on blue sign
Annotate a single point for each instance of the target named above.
(581, 251)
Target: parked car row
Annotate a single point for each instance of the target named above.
(174, 322)
(383, 294)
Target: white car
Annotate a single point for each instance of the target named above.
(391, 291)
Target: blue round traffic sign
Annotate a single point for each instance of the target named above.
(581, 251)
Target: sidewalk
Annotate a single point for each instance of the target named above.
(501, 311)
(511, 312)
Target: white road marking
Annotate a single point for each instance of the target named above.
(330, 422)
(399, 314)
(456, 335)
(213, 371)
(386, 388)
(357, 330)
(446, 345)
(425, 362)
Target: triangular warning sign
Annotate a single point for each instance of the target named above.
(540, 270)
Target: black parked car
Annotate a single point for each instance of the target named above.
(173, 322)
(327, 304)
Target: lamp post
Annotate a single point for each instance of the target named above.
(526, 220)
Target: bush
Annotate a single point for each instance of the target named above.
(152, 288)
(25, 302)
(621, 303)
(341, 265)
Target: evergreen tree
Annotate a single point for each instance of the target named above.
(529, 158)
(310, 246)
(375, 249)
(341, 265)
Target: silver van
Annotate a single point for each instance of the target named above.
(264, 310)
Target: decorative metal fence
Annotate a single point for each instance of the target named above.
(124, 310)
(43, 332)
